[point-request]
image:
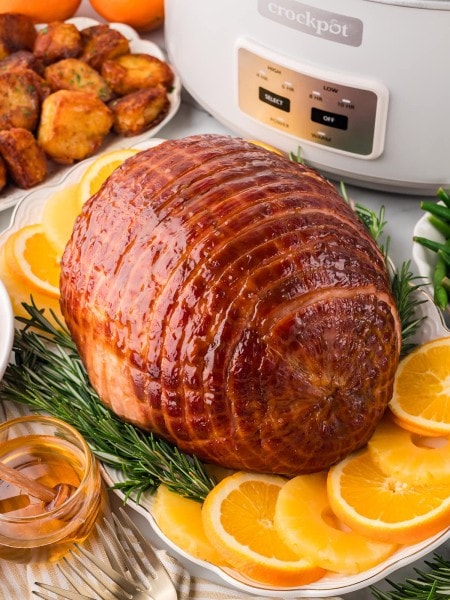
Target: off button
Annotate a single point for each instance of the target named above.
(329, 118)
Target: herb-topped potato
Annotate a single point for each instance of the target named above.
(22, 59)
(57, 41)
(102, 43)
(139, 111)
(19, 100)
(132, 72)
(75, 74)
(65, 134)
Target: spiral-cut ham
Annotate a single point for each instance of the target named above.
(228, 300)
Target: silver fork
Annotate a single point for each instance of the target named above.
(144, 582)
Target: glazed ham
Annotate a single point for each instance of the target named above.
(228, 300)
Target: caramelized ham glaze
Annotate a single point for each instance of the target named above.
(231, 302)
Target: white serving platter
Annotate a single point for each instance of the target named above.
(28, 211)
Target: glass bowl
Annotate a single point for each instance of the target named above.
(50, 452)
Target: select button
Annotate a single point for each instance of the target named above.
(274, 99)
(329, 118)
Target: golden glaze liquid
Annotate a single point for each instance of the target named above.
(33, 530)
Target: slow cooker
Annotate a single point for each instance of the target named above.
(360, 88)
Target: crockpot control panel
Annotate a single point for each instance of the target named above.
(344, 113)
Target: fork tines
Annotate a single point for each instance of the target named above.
(155, 570)
(134, 569)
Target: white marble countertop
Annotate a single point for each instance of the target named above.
(401, 211)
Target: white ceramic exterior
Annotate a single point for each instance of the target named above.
(397, 49)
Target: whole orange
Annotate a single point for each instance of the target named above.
(143, 15)
(41, 11)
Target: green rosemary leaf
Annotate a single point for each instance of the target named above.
(48, 376)
(296, 156)
(433, 584)
(404, 286)
(374, 222)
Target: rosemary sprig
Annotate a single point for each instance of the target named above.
(404, 286)
(374, 223)
(48, 376)
(431, 585)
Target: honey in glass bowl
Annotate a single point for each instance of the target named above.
(52, 453)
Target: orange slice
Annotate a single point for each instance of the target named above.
(31, 259)
(386, 507)
(99, 171)
(180, 519)
(412, 457)
(20, 293)
(306, 523)
(58, 216)
(421, 396)
(238, 519)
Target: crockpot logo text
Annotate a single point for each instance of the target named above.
(314, 21)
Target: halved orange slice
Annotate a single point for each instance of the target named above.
(384, 506)
(238, 519)
(99, 171)
(421, 395)
(58, 216)
(31, 259)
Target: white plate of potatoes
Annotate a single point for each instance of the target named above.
(88, 105)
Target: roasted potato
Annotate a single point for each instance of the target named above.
(17, 32)
(56, 41)
(132, 72)
(92, 31)
(139, 111)
(74, 74)
(25, 159)
(22, 59)
(102, 43)
(42, 87)
(19, 100)
(3, 174)
(73, 125)
(51, 87)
